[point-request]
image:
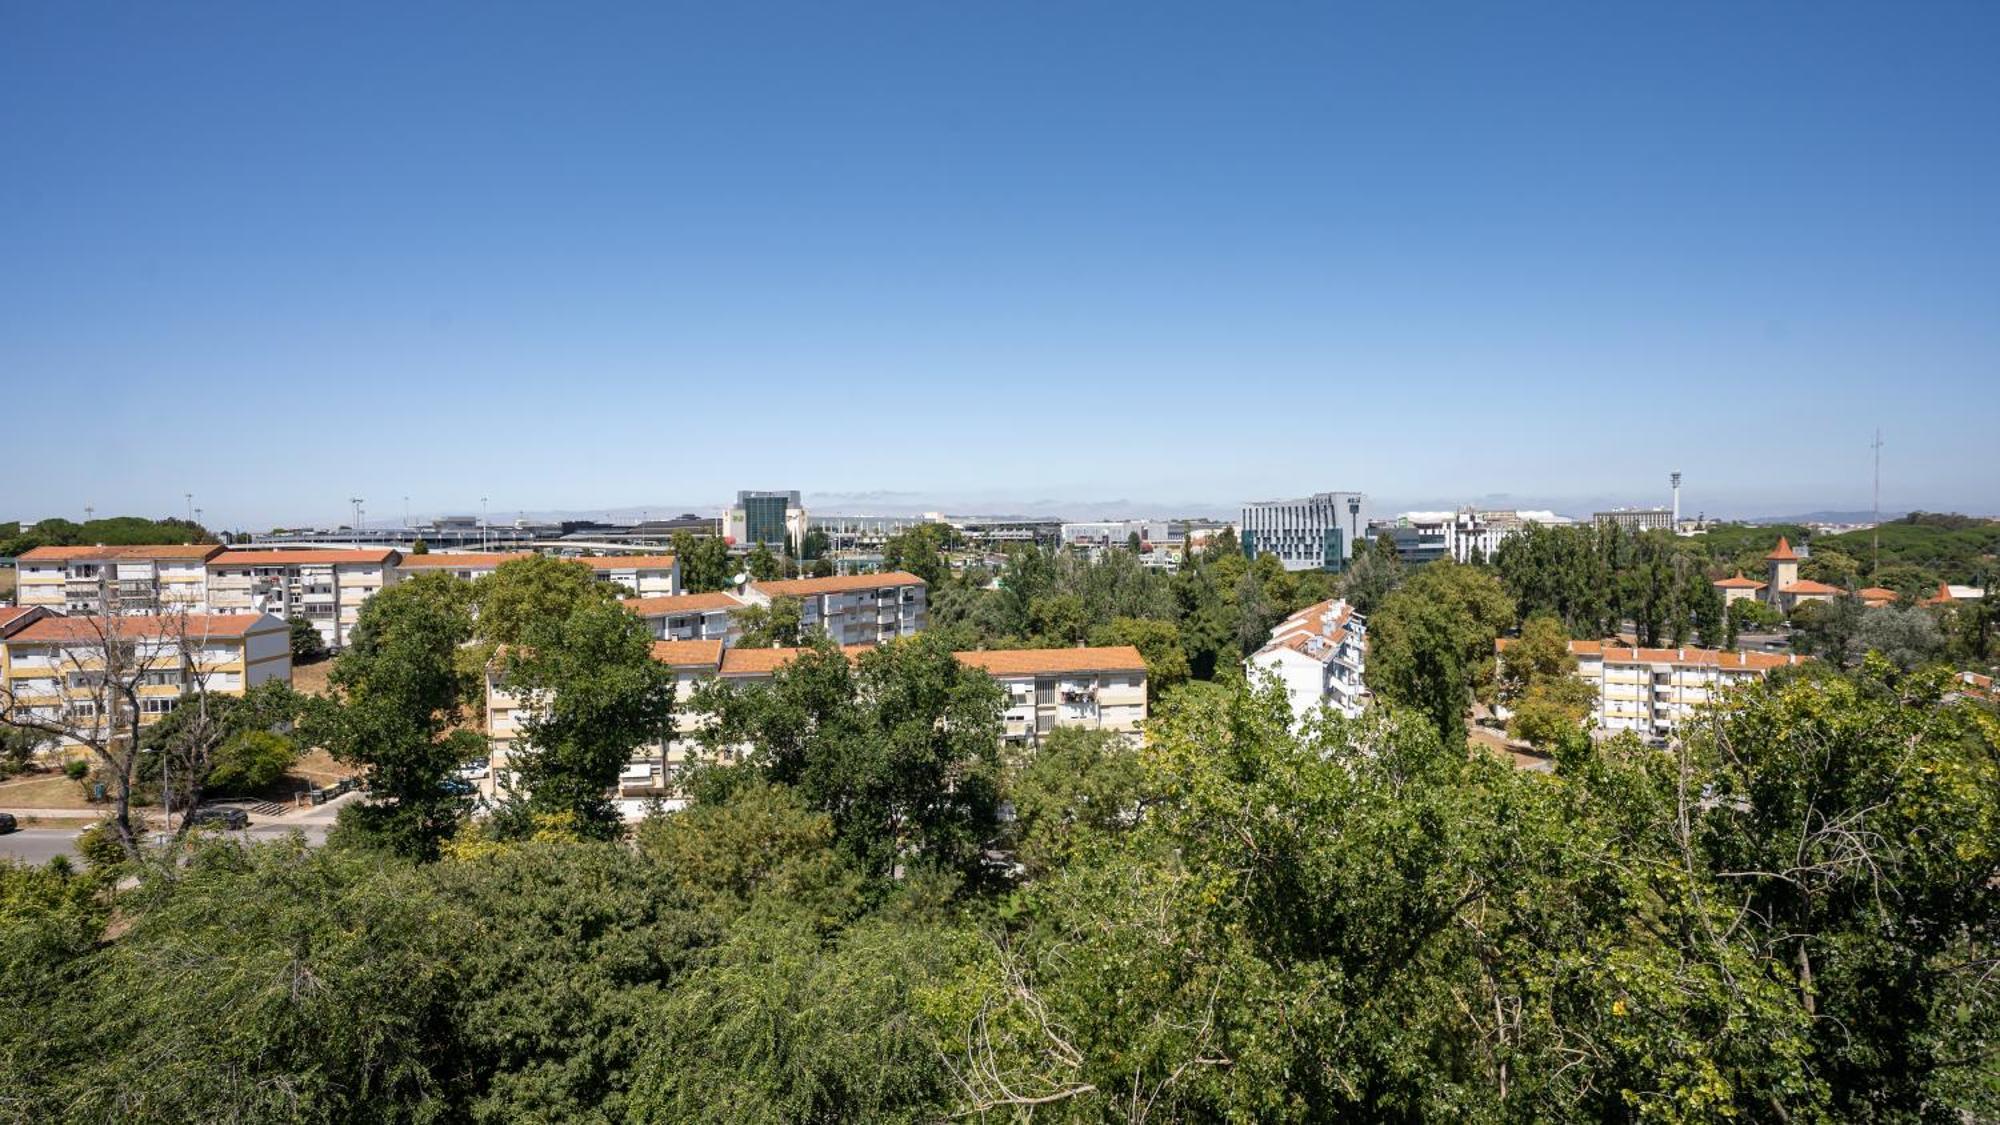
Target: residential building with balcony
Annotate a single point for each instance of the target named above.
(853, 609)
(1316, 532)
(690, 617)
(56, 668)
(1652, 691)
(642, 576)
(326, 587)
(1049, 688)
(1320, 655)
(128, 579)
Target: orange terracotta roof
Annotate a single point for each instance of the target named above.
(1783, 551)
(1808, 586)
(840, 584)
(307, 557)
(689, 654)
(1739, 583)
(1942, 597)
(1727, 659)
(93, 630)
(161, 551)
(628, 562)
(469, 560)
(681, 603)
(1054, 661)
(764, 661)
(1877, 594)
(10, 614)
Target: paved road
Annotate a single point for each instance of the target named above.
(39, 845)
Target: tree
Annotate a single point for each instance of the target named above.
(18, 749)
(1071, 790)
(763, 565)
(704, 562)
(400, 701)
(1159, 642)
(1059, 619)
(1854, 827)
(523, 594)
(778, 625)
(591, 693)
(1906, 637)
(815, 544)
(899, 748)
(1134, 544)
(419, 547)
(1827, 629)
(307, 644)
(1431, 644)
(920, 550)
(1370, 579)
(224, 742)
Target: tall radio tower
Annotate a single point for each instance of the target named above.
(1875, 533)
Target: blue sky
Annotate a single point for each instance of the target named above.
(591, 256)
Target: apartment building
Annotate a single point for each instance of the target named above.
(1653, 690)
(1316, 532)
(644, 576)
(132, 579)
(1320, 655)
(55, 668)
(855, 608)
(469, 565)
(1047, 688)
(1637, 519)
(690, 617)
(326, 587)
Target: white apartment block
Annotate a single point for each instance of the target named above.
(55, 668)
(326, 587)
(643, 576)
(1653, 690)
(856, 609)
(1097, 689)
(690, 617)
(1320, 655)
(141, 579)
(1316, 532)
(1047, 688)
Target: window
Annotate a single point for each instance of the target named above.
(157, 706)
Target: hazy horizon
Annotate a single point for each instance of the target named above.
(280, 257)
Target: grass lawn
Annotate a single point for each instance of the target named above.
(43, 791)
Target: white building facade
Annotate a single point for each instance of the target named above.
(1320, 655)
(1316, 532)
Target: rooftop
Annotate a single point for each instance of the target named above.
(840, 584)
(689, 654)
(627, 562)
(328, 557)
(1739, 583)
(1054, 661)
(1783, 551)
(156, 551)
(98, 630)
(467, 560)
(681, 603)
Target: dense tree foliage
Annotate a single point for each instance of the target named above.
(1792, 916)
(704, 562)
(1430, 646)
(113, 531)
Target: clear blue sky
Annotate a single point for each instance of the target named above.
(592, 255)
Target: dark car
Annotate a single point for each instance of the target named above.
(7, 822)
(220, 816)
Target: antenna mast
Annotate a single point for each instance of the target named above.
(1876, 532)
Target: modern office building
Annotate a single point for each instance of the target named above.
(1320, 655)
(854, 609)
(55, 668)
(774, 519)
(140, 579)
(1048, 688)
(326, 587)
(1316, 532)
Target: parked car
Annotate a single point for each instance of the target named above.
(221, 816)
(8, 823)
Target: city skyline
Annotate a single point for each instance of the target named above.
(283, 258)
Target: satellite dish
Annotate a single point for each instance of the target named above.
(740, 578)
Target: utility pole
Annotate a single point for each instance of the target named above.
(356, 501)
(1875, 533)
(482, 523)
(190, 502)
(406, 511)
